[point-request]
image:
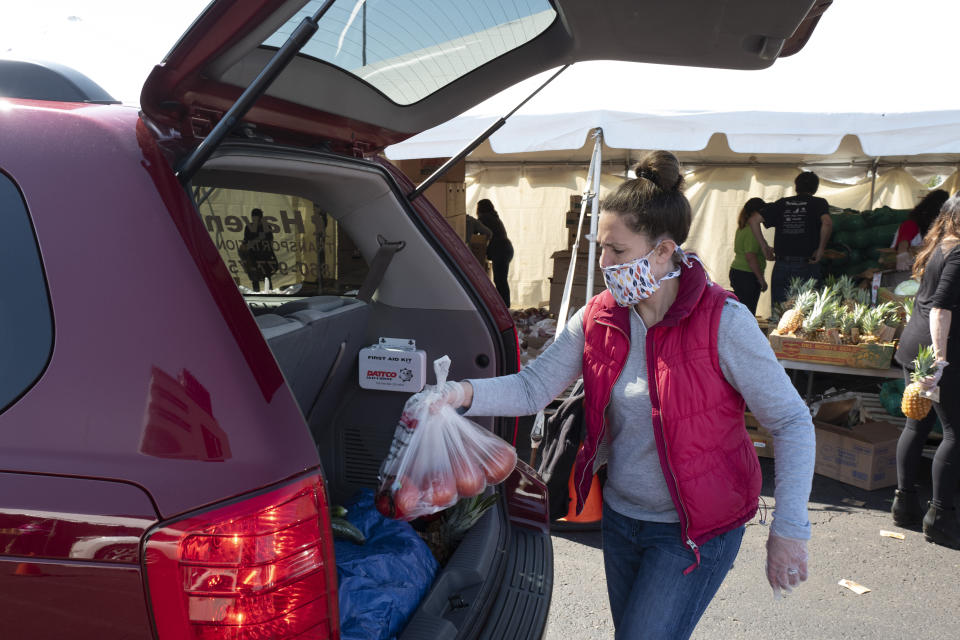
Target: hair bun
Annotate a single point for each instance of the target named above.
(661, 168)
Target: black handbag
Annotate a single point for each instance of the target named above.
(563, 433)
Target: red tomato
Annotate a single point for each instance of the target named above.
(500, 464)
(385, 504)
(470, 478)
(407, 500)
(441, 490)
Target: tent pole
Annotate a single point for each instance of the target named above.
(593, 171)
(594, 214)
(873, 180)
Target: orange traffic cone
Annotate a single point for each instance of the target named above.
(27, 569)
(592, 506)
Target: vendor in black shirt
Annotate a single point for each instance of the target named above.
(803, 227)
(935, 321)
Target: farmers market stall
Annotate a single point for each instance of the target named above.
(532, 166)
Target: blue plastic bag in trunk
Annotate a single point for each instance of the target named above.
(381, 582)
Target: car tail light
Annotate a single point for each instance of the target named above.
(258, 568)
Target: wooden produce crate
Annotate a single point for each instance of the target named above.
(860, 356)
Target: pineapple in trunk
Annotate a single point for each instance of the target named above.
(445, 533)
(792, 320)
(814, 320)
(913, 404)
(907, 309)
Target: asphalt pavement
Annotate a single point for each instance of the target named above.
(914, 585)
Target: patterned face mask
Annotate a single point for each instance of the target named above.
(632, 282)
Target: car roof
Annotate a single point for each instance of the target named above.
(35, 80)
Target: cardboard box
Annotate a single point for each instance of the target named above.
(864, 456)
(577, 295)
(561, 264)
(762, 440)
(860, 356)
(420, 169)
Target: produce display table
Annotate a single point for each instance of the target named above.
(812, 367)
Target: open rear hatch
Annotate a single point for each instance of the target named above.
(372, 73)
(352, 77)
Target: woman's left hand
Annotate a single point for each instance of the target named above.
(786, 563)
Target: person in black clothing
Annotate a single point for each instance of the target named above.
(934, 322)
(803, 227)
(256, 251)
(499, 250)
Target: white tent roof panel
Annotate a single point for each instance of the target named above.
(747, 132)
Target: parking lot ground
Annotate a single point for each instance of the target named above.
(914, 586)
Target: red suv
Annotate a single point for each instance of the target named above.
(180, 400)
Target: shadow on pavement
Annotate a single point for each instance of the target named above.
(826, 495)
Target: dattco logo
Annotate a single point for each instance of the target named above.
(381, 374)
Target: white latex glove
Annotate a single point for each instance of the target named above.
(449, 393)
(930, 382)
(904, 261)
(786, 563)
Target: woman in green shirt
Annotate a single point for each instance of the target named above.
(746, 271)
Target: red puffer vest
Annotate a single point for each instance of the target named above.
(706, 456)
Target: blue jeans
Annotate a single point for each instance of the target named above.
(786, 269)
(650, 598)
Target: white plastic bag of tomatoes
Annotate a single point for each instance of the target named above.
(438, 457)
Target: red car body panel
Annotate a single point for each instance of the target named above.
(122, 249)
(41, 599)
(71, 558)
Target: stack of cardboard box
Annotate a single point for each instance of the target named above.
(448, 194)
(561, 262)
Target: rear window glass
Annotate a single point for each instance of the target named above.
(279, 244)
(26, 323)
(409, 49)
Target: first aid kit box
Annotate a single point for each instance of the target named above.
(393, 364)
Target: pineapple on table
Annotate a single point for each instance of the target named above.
(823, 307)
(870, 324)
(914, 404)
(831, 321)
(848, 323)
(792, 319)
(847, 288)
(797, 286)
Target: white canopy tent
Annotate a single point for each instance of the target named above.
(531, 166)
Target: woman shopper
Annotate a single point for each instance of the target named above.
(911, 231)
(746, 270)
(499, 250)
(668, 359)
(934, 322)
